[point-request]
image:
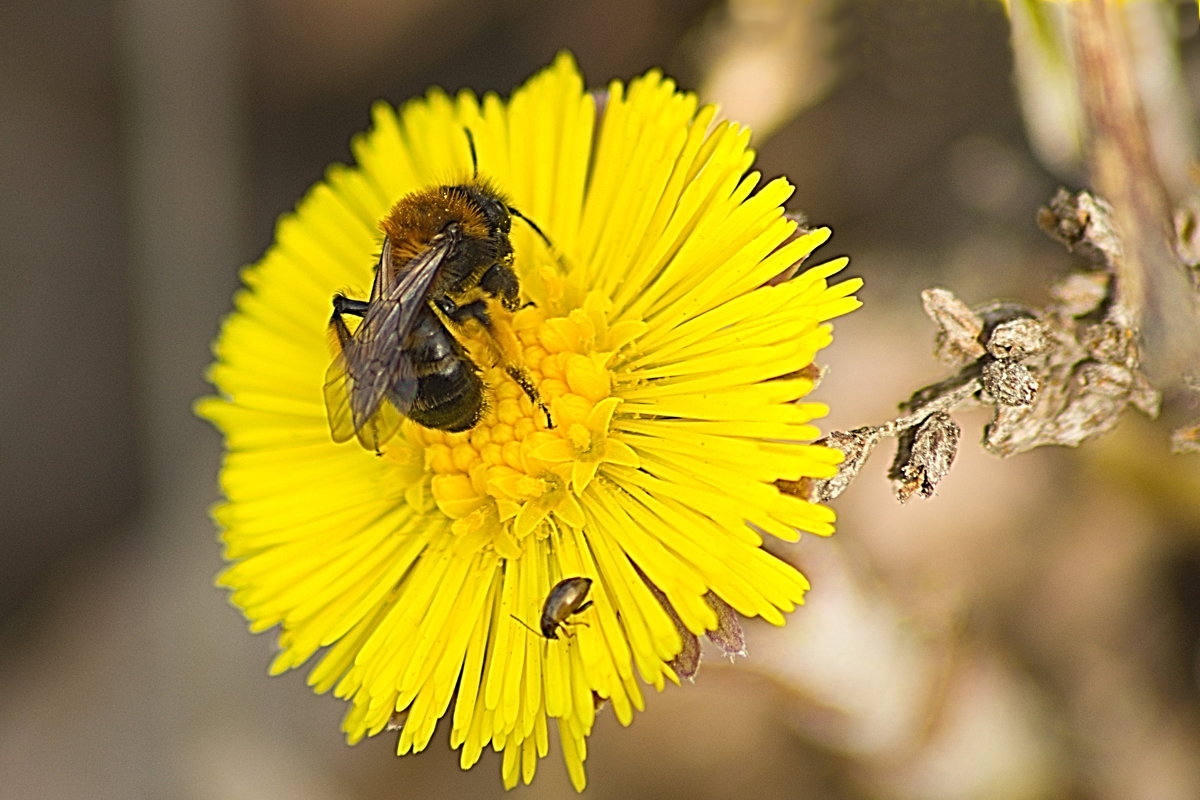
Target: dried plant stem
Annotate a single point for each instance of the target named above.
(1056, 375)
(1127, 171)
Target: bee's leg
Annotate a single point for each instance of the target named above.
(522, 379)
(477, 309)
(460, 314)
(344, 305)
(500, 281)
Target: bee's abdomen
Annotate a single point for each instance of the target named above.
(449, 394)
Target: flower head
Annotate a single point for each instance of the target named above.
(672, 378)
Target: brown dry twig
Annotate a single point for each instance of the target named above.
(1186, 439)
(1057, 375)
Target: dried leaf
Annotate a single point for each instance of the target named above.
(958, 327)
(728, 634)
(927, 458)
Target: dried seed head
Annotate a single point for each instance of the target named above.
(1110, 343)
(924, 456)
(856, 445)
(958, 327)
(1081, 293)
(1009, 383)
(1017, 338)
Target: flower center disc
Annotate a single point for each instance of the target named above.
(504, 478)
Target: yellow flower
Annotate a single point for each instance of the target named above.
(673, 375)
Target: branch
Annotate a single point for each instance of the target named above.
(1057, 375)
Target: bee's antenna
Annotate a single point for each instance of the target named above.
(475, 173)
(533, 225)
(474, 159)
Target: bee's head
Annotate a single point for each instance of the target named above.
(493, 206)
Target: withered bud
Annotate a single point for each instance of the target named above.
(1083, 222)
(856, 445)
(1186, 440)
(1081, 293)
(1109, 342)
(1187, 232)
(687, 661)
(600, 98)
(1102, 380)
(924, 456)
(810, 372)
(802, 229)
(958, 327)
(1009, 383)
(1096, 393)
(1144, 397)
(728, 634)
(1017, 338)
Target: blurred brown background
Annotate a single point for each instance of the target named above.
(1030, 632)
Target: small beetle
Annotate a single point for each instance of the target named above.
(569, 596)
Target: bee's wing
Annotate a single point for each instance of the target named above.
(373, 363)
(375, 428)
(337, 391)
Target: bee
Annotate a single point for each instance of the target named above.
(566, 598)
(446, 252)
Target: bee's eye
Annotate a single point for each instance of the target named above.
(497, 214)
